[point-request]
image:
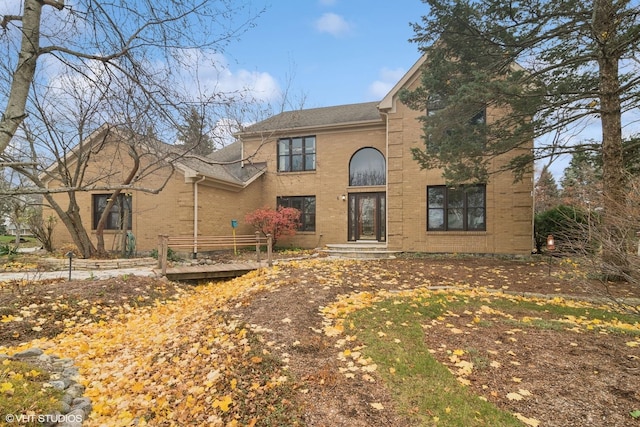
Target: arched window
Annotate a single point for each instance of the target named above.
(367, 167)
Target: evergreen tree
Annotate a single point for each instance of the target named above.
(546, 191)
(194, 134)
(582, 181)
(499, 74)
(577, 62)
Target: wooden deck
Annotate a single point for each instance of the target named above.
(214, 271)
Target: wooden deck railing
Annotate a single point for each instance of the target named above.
(211, 242)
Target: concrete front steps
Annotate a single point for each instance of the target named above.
(359, 250)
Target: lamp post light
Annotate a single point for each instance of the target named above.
(551, 246)
(551, 243)
(70, 256)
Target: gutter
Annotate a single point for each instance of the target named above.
(299, 129)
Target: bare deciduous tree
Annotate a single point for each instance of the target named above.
(79, 75)
(143, 44)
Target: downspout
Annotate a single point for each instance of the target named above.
(533, 214)
(195, 216)
(386, 179)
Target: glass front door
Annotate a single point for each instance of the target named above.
(367, 216)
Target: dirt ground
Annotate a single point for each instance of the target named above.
(575, 379)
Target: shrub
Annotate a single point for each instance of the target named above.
(171, 255)
(278, 222)
(43, 230)
(568, 224)
(7, 250)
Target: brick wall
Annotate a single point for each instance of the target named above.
(509, 204)
(328, 183)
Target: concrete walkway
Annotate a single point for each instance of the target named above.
(85, 269)
(76, 274)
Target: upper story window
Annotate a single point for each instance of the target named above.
(435, 103)
(367, 167)
(119, 214)
(460, 208)
(297, 154)
(474, 131)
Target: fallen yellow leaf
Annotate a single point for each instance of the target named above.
(6, 388)
(524, 392)
(223, 404)
(528, 421)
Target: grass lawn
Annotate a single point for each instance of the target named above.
(29, 241)
(425, 390)
(430, 383)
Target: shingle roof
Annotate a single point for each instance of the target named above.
(224, 164)
(325, 116)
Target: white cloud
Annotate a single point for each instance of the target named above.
(388, 78)
(333, 24)
(212, 73)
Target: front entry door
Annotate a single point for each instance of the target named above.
(367, 216)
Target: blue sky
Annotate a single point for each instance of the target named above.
(333, 51)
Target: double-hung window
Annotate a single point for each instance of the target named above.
(297, 154)
(119, 213)
(444, 130)
(460, 208)
(307, 207)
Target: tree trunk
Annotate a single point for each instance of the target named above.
(103, 220)
(114, 197)
(14, 112)
(73, 222)
(613, 172)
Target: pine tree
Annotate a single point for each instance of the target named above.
(540, 67)
(194, 134)
(546, 191)
(582, 181)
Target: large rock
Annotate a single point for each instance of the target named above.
(32, 352)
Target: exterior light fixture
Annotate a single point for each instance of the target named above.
(551, 244)
(344, 197)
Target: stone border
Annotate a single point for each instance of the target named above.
(100, 264)
(62, 377)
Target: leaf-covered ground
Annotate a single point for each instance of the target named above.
(270, 348)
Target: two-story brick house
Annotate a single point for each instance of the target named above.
(350, 170)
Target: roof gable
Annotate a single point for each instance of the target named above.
(388, 102)
(222, 168)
